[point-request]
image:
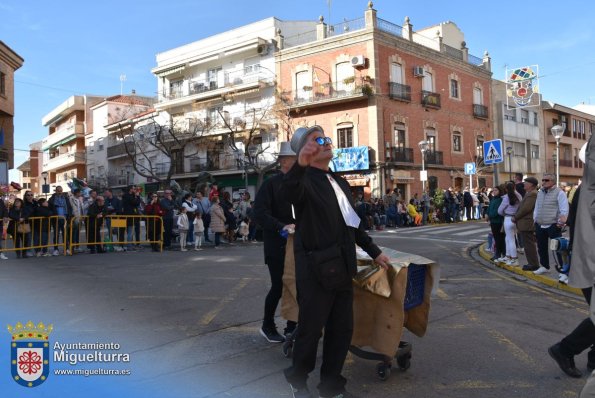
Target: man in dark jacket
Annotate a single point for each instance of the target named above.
(327, 229)
(60, 206)
(168, 205)
(113, 207)
(468, 203)
(526, 225)
(273, 213)
(130, 204)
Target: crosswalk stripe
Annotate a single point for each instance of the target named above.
(473, 231)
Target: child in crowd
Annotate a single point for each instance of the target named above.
(42, 227)
(199, 231)
(183, 226)
(244, 229)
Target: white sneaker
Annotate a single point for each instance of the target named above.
(513, 262)
(541, 271)
(56, 253)
(67, 252)
(3, 256)
(563, 279)
(502, 259)
(183, 250)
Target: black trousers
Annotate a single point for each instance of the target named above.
(331, 310)
(168, 226)
(582, 337)
(276, 266)
(543, 236)
(499, 238)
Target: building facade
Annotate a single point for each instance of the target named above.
(64, 152)
(10, 61)
(371, 83)
(578, 127)
(220, 93)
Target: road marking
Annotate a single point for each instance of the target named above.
(209, 316)
(484, 385)
(473, 231)
(173, 298)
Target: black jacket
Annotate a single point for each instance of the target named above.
(42, 224)
(130, 204)
(272, 212)
(319, 222)
(53, 207)
(113, 205)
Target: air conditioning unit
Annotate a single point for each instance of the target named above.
(418, 71)
(262, 49)
(358, 60)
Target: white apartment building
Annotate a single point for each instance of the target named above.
(222, 84)
(521, 132)
(108, 164)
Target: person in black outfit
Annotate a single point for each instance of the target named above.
(97, 212)
(130, 204)
(167, 205)
(113, 207)
(42, 226)
(327, 229)
(18, 215)
(274, 215)
(468, 203)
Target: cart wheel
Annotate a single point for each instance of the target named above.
(288, 349)
(383, 371)
(404, 361)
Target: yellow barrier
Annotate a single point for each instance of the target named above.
(38, 237)
(95, 230)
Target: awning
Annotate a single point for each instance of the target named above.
(170, 71)
(61, 142)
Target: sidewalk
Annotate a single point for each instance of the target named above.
(550, 279)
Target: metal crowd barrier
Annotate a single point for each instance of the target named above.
(100, 231)
(41, 230)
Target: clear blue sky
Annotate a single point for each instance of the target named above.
(73, 47)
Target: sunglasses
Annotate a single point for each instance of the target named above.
(28, 194)
(324, 141)
(545, 180)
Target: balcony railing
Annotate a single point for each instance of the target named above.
(434, 157)
(400, 92)
(63, 160)
(565, 162)
(326, 92)
(430, 99)
(480, 111)
(120, 149)
(399, 154)
(230, 80)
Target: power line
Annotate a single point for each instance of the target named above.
(44, 86)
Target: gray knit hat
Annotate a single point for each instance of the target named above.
(298, 140)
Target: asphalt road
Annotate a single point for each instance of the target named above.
(189, 322)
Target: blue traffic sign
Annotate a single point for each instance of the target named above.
(469, 168)
(492, 152)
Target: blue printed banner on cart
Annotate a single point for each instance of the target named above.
(349, 159)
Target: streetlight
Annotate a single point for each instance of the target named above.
(45, 189)
(509, 153)
(423, 147)
(557, 132)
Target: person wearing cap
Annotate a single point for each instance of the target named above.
(327, 230)
(551, 211)
(525, 224)
(273, 213)
(581, 221)
(60, 206)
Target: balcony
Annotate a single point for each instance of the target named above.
(64, 160)
(434, 157)
(403, 155)
(480, 111)
(121, 180)
(430, 99)
(119, 150)
(190, 91)
(566, 163)
(399, 92)
(326, 93)
(64, 135)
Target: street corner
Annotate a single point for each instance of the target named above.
(543, 279)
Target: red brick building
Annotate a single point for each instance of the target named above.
(10, 61)
(369, 82)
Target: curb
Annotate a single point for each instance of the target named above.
(530, 275)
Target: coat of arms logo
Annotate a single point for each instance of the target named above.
(29, 353)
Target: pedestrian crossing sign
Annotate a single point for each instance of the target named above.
(492, 152)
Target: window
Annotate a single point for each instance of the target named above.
(428, 82)
(100, 145)
(345, 137)
(345, 73)
(477, 96)
(534, 151)
(101, 171)
(92, 173)
(479, 146)
(535, 119)
(396, 73)
(215, 78)
(524, 116)
(431, 138)
(518, 149)
(509, 114)
(454, 88)
(303, 85)
(2, 83)
(399, 131)
(175, 88)
(456, 142)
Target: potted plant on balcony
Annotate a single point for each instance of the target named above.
(349, 80)
(367, 90)
(307, 88)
